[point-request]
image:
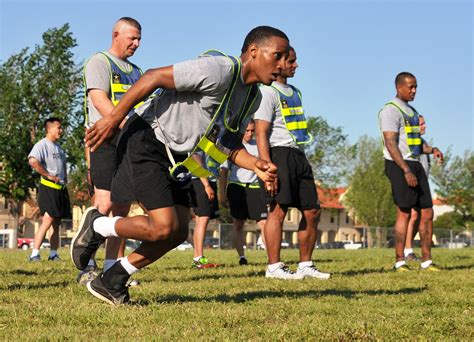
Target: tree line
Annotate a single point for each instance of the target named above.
(45, 81)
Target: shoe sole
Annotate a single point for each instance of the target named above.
(270, 277)
(99, 295)
(81, 224)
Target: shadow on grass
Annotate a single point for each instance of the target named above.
(212, 276)
(459, 267)
(36, 286)
(249, 296)
(19, 272)
(363, 271)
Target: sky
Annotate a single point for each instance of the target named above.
(349, 52)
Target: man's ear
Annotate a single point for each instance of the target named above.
(253, 50)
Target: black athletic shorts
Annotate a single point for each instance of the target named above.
(102, 164)
(54, 202)
(142, 172)
(296, 186)
(246, 203)
(200, 202)
(404, 196)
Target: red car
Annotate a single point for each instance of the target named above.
(25, 243)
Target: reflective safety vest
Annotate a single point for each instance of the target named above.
(292, 111)
(412, 130)
(222, 135)
(120, 82)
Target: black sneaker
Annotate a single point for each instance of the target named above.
(243, 261)
(54, 258)
(86, 241)
(111, 296)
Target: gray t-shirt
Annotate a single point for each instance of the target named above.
(52, 157)
(270, 111)
(239, 174)
(391, 120)
(180, 117)
(97, 75)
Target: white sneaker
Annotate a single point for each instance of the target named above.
(283, 272)
(312, 272)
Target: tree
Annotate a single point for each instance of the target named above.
(450, 220)
(455, 184)
(330, 153)
(35, 86)
(369, 194)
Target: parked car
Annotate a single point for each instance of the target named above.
(210, 242)
(25, 243)
(184, 246)
(349, 244)
(261, 245)
(131, 244)
(332, 245)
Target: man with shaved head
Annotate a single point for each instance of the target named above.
(401, 130)
(107, 76)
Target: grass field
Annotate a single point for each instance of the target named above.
(364, 299)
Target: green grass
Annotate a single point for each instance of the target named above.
(364, 299)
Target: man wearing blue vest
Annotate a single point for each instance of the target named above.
(107, 76)
(400, 126)
(281, 129)
(206, 106)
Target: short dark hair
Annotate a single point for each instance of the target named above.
(260, 34)
(401, 77)
(131, 22)
(50, 121)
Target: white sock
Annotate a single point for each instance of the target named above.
(128, 266)
(243, 257)
(52, 253)
(35, 252)
(304, 264)
(426, 263)
(105, 226)
(399, 264)
(92, 263)
(108, 263)
(275, 266)
(407, 251)
(197, 258)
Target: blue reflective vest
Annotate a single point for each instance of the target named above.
(292, 112)
(412, 130)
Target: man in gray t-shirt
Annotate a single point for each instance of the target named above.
(240, 191)
(104, 74)
(48, 159)
(170, 127)
(399, 124)
(281, 129)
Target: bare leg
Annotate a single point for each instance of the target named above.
(115, 247)
(54, 238)
(200, 234)
(272, 232)
(164, 229)
(426, 233)
(46, 222)
(307, 233)
(261, 225)
(238, 236)
(401, 224)
(412, 227)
